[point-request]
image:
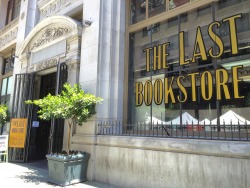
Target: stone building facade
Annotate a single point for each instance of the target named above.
(151, 61)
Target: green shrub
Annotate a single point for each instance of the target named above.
(72, 104)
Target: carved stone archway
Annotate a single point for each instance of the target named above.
(54, 37)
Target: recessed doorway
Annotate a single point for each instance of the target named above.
(39, 136)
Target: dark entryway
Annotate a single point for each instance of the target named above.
(39, 136)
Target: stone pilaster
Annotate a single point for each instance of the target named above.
(101, 69)
(102, 56)
(29, 16)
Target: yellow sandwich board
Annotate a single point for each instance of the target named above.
(18, 131)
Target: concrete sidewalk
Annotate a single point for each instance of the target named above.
(34, 174)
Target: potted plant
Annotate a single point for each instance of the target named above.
(75, 106)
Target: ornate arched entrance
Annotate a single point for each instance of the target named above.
(48, 57)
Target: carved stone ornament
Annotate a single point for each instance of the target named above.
(49, 35)
(46, 64)
(73, 65)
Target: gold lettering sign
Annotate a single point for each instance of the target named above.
(162, 90)
(165, 93)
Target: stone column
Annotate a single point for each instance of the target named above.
(29, 16)
(27, 21)
(73, 71)
(111, 65)
(103, 55)
(101, 69)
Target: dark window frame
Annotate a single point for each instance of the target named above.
(13, 10)
(5, 98)
(7, 65)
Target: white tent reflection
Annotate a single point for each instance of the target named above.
(231, 118)
(187, 119)
(154, 120)
(205, 122)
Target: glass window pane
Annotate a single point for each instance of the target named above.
(176, 3)
(137, 11)
(207, 73)
(235, 55)
(3, 89)
(9, 88)
(146, 70)
(156, 7)
(17, 7)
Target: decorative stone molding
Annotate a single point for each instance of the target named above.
(73, 64)
(68, 47)
(8, 34)
(74, 38)
(49, 31)
(46, 64)
(48, 35)
(48, 8)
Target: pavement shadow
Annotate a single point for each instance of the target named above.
(37, 172)
(39, 164)
(33, 176)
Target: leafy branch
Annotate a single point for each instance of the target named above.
(4, 114)
(73, 103)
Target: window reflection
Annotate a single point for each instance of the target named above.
(138, 8)
(13, 10)
(156, 7)
(6, 89)
(4, 84)
(138, 11)
(200, 98)
(177, 3)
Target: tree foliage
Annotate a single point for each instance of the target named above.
(73, 103)
(4, 115)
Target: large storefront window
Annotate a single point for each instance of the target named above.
(193, 67)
